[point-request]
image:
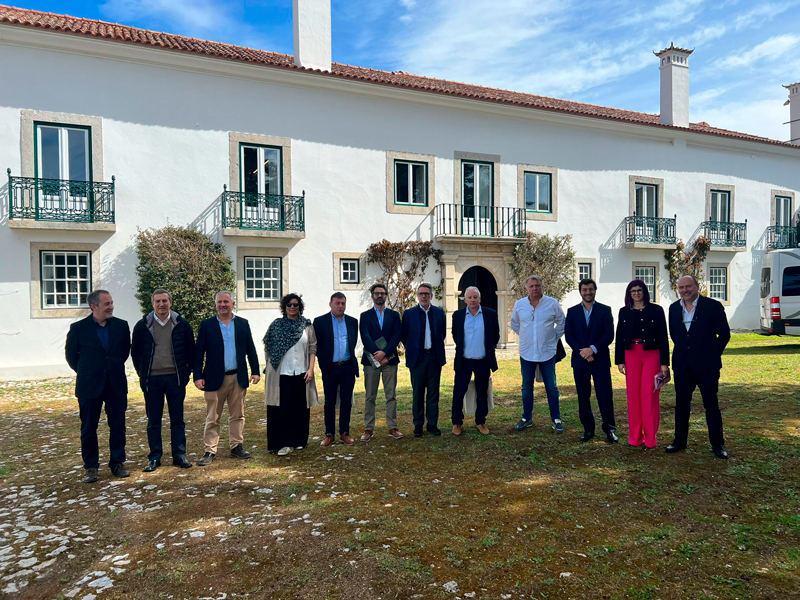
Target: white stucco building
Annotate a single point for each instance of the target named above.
(297, 165)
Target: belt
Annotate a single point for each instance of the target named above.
(428, 350)
(234, 372)
(341, 362)
(637, 341)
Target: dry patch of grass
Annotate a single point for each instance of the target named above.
(510, 515)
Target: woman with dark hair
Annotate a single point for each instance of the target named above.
(290, 345)
(642, 353)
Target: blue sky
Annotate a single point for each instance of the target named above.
(596, 51)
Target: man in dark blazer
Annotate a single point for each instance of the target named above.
(589, 331)
(96, 349)
(699, 331)
(224, 347)
(423, 334)
(476, 332)
(380, 333)
(337, 335)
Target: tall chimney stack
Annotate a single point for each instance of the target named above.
(674, 85)
(312, 34)
(794, 112)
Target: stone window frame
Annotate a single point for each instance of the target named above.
(338, 286)
(727, 281)
(493, 159)
(28, 119)
(235, 139)
(656, 296)
(533, 215)
(37, 310)
(592, 262)
(263, 252)
(408, 209)
(633, 180)
(772, 195)
(721, 187)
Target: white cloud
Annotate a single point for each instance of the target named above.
(409, 4)
(770, 50)
(188, 15)
(764, 117)
(763, 12)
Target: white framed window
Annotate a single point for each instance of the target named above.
(648, 272)
(783, 210)
(63, 152)
(718, 283)
(349, 270)
(261, 170)
(720, 209)
(262, 279)
(646, 200)
(584, 270)
(66, 278)
(538, 192)
(411, 183)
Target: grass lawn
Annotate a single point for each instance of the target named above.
(509, 515)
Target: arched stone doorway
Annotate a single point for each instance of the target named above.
(482, 279)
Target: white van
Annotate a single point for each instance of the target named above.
(780, 292)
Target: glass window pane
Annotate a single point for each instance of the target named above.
(531, 202)
(419, 185)
(272, 172)
(544, 192)
(250, 169)
(50, 167)
(791, 282)
(468, 195)
(485, 185)
(401, 182)
(78, 154)
(47, 258)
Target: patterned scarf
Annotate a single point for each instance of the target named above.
(281, 335)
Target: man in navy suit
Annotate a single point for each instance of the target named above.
(423, 334)
(380, 333)
(226, 344)
(337, 335)
(589, 331)
(96, 349)
(699, 329)
(476, 332)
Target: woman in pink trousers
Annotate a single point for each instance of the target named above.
(642, 352)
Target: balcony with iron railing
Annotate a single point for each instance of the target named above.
(649, 232)
(36, 203)
(725, 235)
(780, 237)
(458, 220)
(263, 215)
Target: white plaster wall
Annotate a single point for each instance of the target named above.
(166, 140)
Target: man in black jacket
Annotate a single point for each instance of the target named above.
(96, 349)
(162, 354)
(699, 329)
(224, 347)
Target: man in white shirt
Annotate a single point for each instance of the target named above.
(539, 322)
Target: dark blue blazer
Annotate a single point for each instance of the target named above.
(370, 329)
(491, 335)
(87, 357)
(702, 346)
(211, 347)
(599, 333)
(413, 334)
(323, 327)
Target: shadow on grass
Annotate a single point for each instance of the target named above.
(752, 350)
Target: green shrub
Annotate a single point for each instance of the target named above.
(551, 258)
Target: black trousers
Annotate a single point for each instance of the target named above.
(685, 383)
(344, 380)
(159, 387)
(90, 409)
(584, 374)
(425, 378)
(287, 424)
(480, 368)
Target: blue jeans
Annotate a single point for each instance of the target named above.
(548, 369)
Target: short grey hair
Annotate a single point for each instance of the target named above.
(536, 277)
(93, 299)
(690, 276)
(158, 292)
(472, 287)
(425, 285)
(221, 292)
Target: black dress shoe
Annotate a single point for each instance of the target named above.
(152, 466)
(612, 438)
(417, 430)
(587, 435)
(720, 452)
(673, 447)
(91, 476)
(434, 430)
(239, 452)
(180, 461)
(120, 471)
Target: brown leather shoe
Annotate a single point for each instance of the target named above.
(346, 439)
(395, 433)
(329, 439)
(483, 429)
(367, 435)
(456, 429)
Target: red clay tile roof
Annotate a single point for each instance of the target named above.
(132, 35)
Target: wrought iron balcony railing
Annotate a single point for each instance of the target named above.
(779, 237)
(263, 212)
(60, 200)
(650, 230)
(721, 233)
(479, 221)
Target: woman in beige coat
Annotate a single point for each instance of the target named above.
(290, 345)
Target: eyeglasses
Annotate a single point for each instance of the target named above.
(637, 291)
(423, 293)
(293, 305)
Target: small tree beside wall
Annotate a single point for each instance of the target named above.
(551, 258)
(682, 262)
(188, 264)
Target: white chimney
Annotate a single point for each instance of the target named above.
(674, 85)
(794, 112)
(312, 34)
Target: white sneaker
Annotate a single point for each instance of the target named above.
(299, 447)
(284, 451)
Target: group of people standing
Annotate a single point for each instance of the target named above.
(166, 356)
